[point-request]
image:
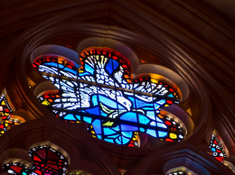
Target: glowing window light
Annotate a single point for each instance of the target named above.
(216, 146)
(6, 117)
(46, 161)
(103, 94)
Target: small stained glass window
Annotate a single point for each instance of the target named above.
(103, 93)
(217, 148)
(46, 161)
(5, 113)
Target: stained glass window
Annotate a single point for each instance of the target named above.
(5, 114)
(46, 161)
(16, 168)
(103, 93)
(217, 148)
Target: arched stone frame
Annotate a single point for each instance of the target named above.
(158, 27)
(189, 74)
(190, 80)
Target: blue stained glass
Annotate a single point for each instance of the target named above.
(156, 106)
(115, 64)
(110, 103)
(213, 149)
(151, 114)
(153, 123)
(159, 120)
(161, 125)
(61, 66)
(95, 111)
(141, 104)
(161, 102)
(151, 132)
(127, 134)
(116, 128)
(108, 131)
(97, 126)
(102, 113)
(113, 136)
(125, 140)
(113, 112)
(70, 70)
(147, 108)
(143, 119)
(118, 141)
(132, 101)
(170, 95)
(69, 117)
(99, 137)
(109, 140)
(84, 74)
(109, 66)
(78, 117)
(94, 100)
(89, 69)
(129, 116)
(51, 64)
(128, 127)
(121, 107)
(87, 119)
(162, 133)
(122, 140)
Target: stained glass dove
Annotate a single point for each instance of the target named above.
(103, 93)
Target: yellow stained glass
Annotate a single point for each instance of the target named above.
(108, 123)
(154, 80)
(173, 136)
(45, 102)
(3, 103)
